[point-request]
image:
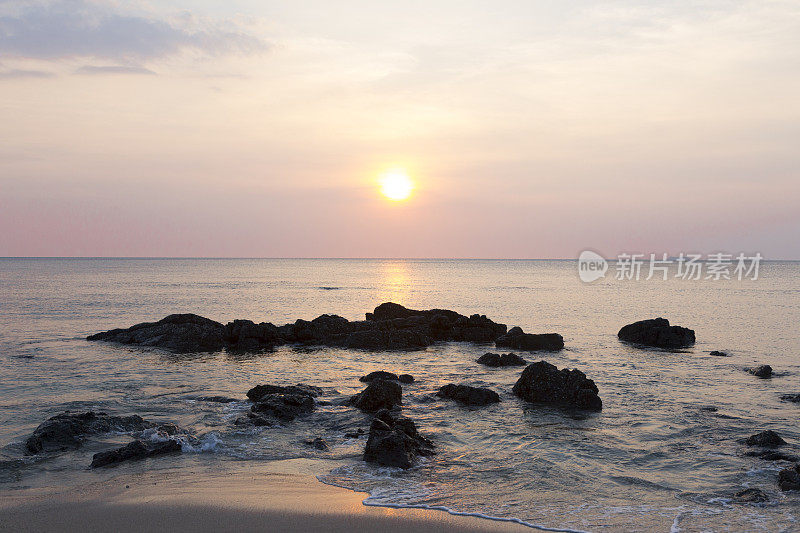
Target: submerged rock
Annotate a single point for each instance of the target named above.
(395, 442)
(772, 455)
(179, 333)
(542, 382)
(498, 360)
(765, 439)
(657, 332)
(761, 371)
(319, 443)
(67, 431)
(379, 394)
(405, 378)
(519, 340)
(751, 495)
(135, 451)
(717, 353)
(469, 395)
(789, 478)
(259, 391)
(794, 397)
(390, 327)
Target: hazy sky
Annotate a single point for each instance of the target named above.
(531, 129)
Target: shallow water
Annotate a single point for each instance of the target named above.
(655, 458)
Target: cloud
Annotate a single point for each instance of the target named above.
(113, 69)
(23, 73)
(79, 28)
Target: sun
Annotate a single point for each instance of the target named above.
(396, 185)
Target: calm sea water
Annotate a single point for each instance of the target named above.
(655, 458)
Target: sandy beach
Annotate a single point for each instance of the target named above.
(277, 497)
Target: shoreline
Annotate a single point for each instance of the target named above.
(279, 496)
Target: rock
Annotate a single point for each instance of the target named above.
(469, 395)
(395, 442)
(761, 371)
(717, 353)
(542, 382)
(135, 451)
(254, 419)
(354, 434)
(247, 336)
(765, 439)
(379, 394)
(751, 495)
(657, 332)
(380, 374)
(519, 340)
(67, 431)
(259, 391)
(405, 378)
(771, 455)
(794, 397)
(180, 333)
(498, 360)
(212, 399)
(319, 443)
(284, 407)
(789, 478)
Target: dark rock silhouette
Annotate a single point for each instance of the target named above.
(794, 397)
(379, 374)
(519, 340)
(389, 327)
(772, 455)
(379, 394)
(498, 360)
(717, 353)
(751, 495)
(318, 443)
(761, 371)
(68, 431)
(135, 451)
(405, 378)
(765, 439)
(469, 395)
(542, 382)
(395, 441)
(178, 333)
(657, 332)
(283, 403)
(789, 478)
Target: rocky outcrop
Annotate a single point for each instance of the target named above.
(497, 360)
(761, 371)
(135, 451)
(68, 431)
(789, 478)
(282, 403)
(657, 332)
(390, 327)
(751, 495)
(379, 394)
(765, 439)
(395, 442)
(542, 382)
(178, 333)
(519, 340)
(468, 395)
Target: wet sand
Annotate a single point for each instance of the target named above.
(273, 498)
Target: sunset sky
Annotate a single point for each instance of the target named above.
(528, 129)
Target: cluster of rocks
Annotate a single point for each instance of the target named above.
(68, 431)
(657, 332)
(542, 382)
(766, 443)
(390, 326)
(394, 441)
(519, 340)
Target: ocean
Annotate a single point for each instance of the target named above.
(662, 455)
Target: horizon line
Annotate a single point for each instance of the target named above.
(166, 257)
